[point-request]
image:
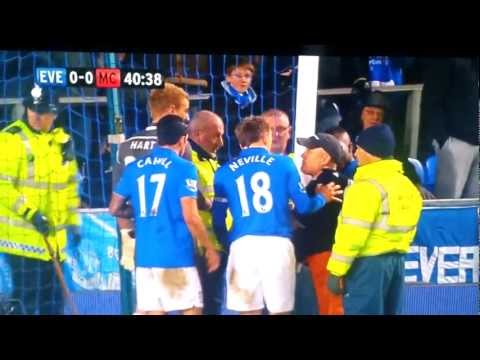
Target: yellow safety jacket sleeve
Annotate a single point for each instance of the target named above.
(360, 207)
(12, 150)
(73, 199)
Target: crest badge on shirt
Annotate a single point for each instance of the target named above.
(191, 184)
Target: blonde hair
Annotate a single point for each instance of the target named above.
(161, 99)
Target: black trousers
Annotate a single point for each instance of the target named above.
(213, 285)
(36, 286)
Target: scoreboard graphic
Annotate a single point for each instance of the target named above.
(105, 78)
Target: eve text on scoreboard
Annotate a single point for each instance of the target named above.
(51, 76)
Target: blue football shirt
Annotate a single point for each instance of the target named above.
(154, 185)
(257, 187)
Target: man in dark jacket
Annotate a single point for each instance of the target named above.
(449, 114)
(314, 241)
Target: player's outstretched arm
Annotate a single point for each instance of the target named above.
(197, 228)
(304, 204)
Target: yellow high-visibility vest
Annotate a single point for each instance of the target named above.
(380, 213)
(206, 166)
(35, 174)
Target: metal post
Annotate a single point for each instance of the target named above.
(413, 121)
(115, 138)
(407, 135)
(306, 106)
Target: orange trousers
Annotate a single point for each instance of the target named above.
(328, 303)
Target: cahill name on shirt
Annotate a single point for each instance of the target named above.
(165, 162)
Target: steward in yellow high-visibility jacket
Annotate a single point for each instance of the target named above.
(376, 226)
(206, 131)
(206, 165)
(38, 197)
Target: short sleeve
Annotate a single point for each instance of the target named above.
(188, 182)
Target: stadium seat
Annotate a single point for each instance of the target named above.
(418, 169)
(430, 172)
